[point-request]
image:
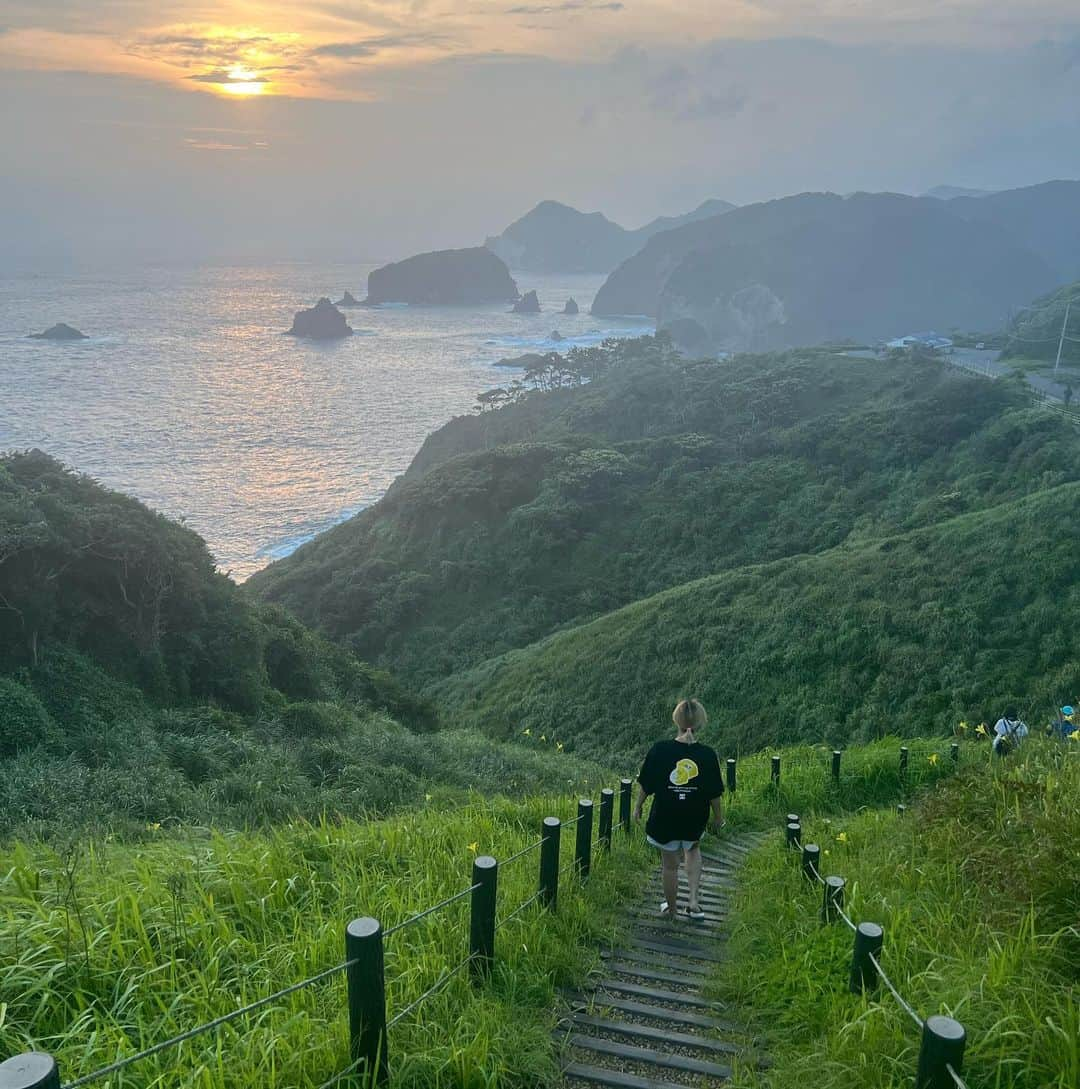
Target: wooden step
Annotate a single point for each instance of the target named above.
(650, 959)
(663, 1013)
(669, 1060)
(672, 948)
(661, 1036)
(639, 990)
(621, 968)
(616, 1079)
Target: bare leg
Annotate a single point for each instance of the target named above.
(670, 875)
(693, 874)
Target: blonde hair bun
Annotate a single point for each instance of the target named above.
(689, 715)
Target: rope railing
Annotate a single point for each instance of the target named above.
(216, 1023)
(364, 966)
(943, 1039)
(429, 911)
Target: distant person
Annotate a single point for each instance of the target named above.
(683, 778)
(1009, 731)
(1063, 725)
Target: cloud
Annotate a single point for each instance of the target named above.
(369, 47)
(225, 75)
(567, 6)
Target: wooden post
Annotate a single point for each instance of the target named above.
(583, 842)
(811, 856)
(832, 898)
(731, 774)
(550, 833)
(607, 810)
(794, 834)
(901, 810)
(626, 790)
(943, 1041)
(367, 1000)
(903, 760)
(776, 770)
(836, 765)
(485, 878)
(868, 939)
(954, 752)
(32, 1070)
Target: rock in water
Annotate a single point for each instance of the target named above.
(324, 321)
(443, 278)
(556, 336)
(60, 331)
(571, 306)
(347, 300)
(527, 304)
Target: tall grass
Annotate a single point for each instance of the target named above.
(978, 889)
(111, 948)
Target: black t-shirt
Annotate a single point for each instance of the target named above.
(683, 779)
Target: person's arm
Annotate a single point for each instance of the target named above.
(642, 794)
(717, 805)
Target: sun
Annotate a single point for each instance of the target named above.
(243, 82)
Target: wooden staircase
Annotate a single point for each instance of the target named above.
(645, 1024)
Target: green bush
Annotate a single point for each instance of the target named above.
(24, 722)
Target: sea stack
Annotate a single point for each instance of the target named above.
(527, 304)
(347, 300)
(571, 306)
(443, 278)
(324, 321)
(556, 336)
(60, 331)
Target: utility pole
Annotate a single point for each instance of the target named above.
(1061, 341)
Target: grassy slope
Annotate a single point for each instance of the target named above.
(905, 635)
(149, 940)
(140, 687)
(657, 473)
(145, 940)
(976, 890)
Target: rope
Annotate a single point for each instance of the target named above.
(959, 1081)
(566, 824)
(519, 909)
(443, 980)
(438, 907)
(820, 879)
(571, 865)
(895, 993)
(843, 915)
(523, 851)
(121, 1064)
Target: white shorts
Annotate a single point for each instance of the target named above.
(675, 844)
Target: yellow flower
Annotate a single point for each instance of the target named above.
(963, 727)
(981, 729)
(932, 758)
(543, 737)
(558, 746)
(154, 827)
(1075, 735)
(427, 797)
(825, 852)
(842, 837)
(527, 732)
(474, 847)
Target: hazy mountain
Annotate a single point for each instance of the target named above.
(1045, 218)
(554, 237)
(819, 267)
(950, 192)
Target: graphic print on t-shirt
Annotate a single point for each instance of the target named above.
(683, 772)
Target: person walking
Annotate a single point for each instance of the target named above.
(683, 778)
(1009, 731)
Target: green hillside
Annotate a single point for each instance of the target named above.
(139, 687)
(572, 502)
(905, 635)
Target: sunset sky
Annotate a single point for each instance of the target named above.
(152, 128)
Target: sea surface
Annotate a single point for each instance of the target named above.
(188, 396)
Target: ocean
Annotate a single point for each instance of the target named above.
(188, 396)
